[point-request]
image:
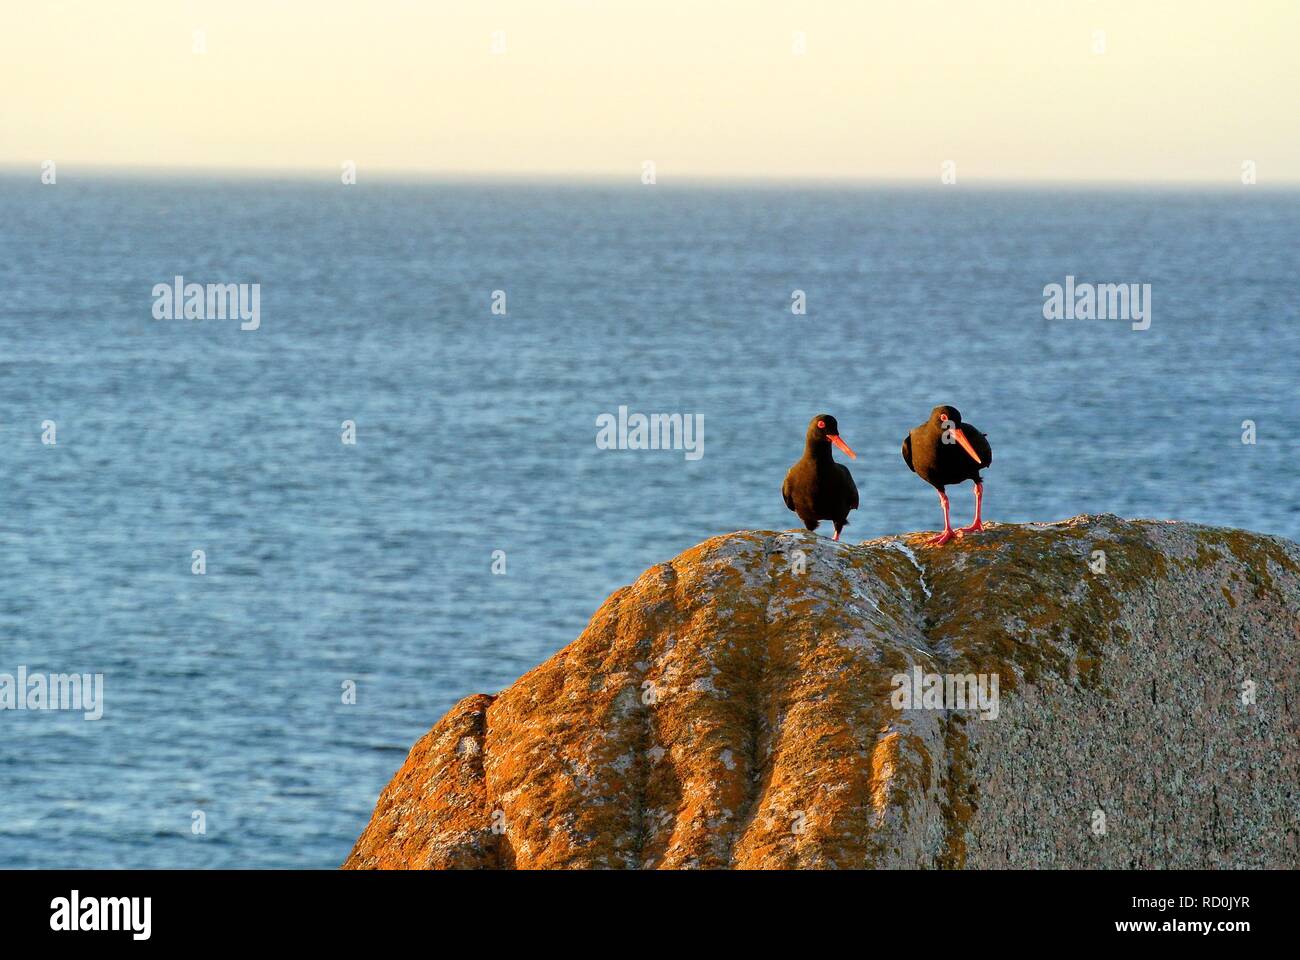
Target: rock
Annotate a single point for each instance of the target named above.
(728, 710)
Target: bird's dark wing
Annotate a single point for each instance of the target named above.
(853, 487)
(785, 492)
(907, 452)
(979, 442)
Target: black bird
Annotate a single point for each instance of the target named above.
(945, 450)
(817, 488)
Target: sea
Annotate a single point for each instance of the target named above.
(278, 613)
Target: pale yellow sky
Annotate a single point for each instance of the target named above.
(1006, 89)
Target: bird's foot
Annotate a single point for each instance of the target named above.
(942, 538)
(975, 527)
(837, 535)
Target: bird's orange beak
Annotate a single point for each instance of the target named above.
(834, 438)
(965, 444)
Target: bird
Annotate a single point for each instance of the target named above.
(816, 487)
(946, 450)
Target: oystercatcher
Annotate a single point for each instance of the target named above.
(945, 450)
(817, 488)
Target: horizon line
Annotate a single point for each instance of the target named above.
(609, 178)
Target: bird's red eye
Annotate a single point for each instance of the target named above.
(821, 424)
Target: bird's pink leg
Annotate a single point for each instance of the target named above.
(947, 525)
(977, 526)
(837, 535)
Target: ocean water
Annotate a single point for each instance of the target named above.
(372, 563)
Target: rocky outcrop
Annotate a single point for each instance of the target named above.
(740, 707)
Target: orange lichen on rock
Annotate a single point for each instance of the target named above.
(734, 708)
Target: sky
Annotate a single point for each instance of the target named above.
(1003, 90)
